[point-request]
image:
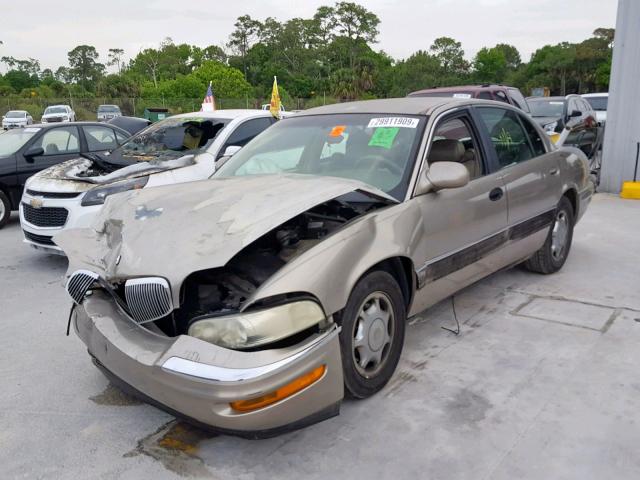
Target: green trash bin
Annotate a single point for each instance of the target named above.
(155, 114)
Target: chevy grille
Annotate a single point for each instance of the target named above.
(46, 216)
(148, 298)
(78, 284)
(36, 193)
(42, 239)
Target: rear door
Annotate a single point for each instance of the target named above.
(59, 143)
(530, 173)
(100, 138)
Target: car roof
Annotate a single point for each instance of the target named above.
(406, 105)
(22, 111)
(227, 114)
(472, 88)
(547, 99)
(591, 95)
(61, 105)
(78, 124)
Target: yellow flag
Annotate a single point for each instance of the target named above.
(275, 99)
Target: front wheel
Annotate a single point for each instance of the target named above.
(372, 336)
(551, 257)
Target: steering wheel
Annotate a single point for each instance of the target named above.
(381, 162)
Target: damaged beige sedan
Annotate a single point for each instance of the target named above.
(252, 302)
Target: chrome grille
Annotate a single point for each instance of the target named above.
(148, 298)
(36, 193)
(78, 284)
(45, 216)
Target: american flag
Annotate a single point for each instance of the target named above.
(209, 99)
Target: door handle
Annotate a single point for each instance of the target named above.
(554, 171)
(496, 194)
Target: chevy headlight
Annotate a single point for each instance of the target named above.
(550, 127)
(97, 195)
(261, 327)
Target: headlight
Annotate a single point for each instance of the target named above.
(252, 329)
(98, 194)
(43, 120)
(550, 127)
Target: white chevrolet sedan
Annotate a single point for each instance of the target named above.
(181, 148)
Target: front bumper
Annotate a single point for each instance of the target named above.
(197, 380)
(9, 126)
(41, 238)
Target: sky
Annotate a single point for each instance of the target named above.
(47, 30)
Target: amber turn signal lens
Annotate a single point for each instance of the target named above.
(289, 389)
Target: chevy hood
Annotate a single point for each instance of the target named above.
(175, 230)
(79, 174)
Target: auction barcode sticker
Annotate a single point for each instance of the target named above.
(404, 122)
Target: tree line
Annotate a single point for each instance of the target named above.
(332, 54)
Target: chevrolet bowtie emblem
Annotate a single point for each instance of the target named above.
(36, 203)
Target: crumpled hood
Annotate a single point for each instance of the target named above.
(70, 176)
(174, 230)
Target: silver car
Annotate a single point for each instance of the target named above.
(252, 302)
(107, 112)
(16, 119)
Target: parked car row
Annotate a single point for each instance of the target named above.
(217, 299)
(54, 114)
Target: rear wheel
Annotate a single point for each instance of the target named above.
(372, 336)
(5, 209)
(551, 257)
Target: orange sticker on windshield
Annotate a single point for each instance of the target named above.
(337, 131)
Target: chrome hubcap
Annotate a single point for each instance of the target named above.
(559, 235)
(2, 210)
(373, 334)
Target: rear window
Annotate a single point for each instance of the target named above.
(598, 103)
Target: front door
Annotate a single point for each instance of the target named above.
(461, 226)
(59, 144)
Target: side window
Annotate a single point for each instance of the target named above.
(99, 138)
(453, 141)
(534, 137)
(501, 96)
(507, 135)
(59, 140)
(120, 137)
(485, 95)
(247, 131)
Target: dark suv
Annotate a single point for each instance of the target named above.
(500, 93)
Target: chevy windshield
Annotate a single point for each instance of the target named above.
(377, 149)
(173, 138)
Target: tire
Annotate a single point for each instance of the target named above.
(5, 209)
(551, 257)
(367, 367)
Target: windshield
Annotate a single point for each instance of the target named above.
(173, 138)
(598, 103)
(16, 114)
(13, 140)
(108, 109)
(55, 110)
(546, 108)
(377, 149)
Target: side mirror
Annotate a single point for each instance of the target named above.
(575, 113)
(33, 152)
(231, 150)
(443, 175)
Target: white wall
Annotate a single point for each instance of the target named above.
(623, 113)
